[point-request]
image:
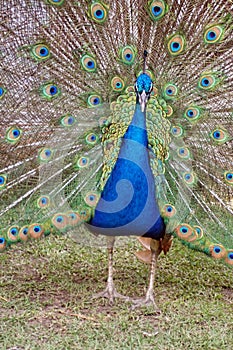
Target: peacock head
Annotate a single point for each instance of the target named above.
(143, 88)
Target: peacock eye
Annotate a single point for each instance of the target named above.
(3, 180)
(99, 14)
(229, 257)
(98, 11)
(228, 175)
(186, 232)
(213, 34)
(183, 152)
(94, 100)
(23, 233)
(73, 218)
(13, 233)
(177, 131)
(37, 228)
(85, 213)
(199, 231)
(45, 154)
(170, 91)
(91, 199)
(82, 162)
(2, 92)
(219, 135)
(60, 221)
(88, 63)
(189, 178)
(169, 211)
(44, 52)
(205, 82)
(49, 91)
(127, 54)
(35, 231)
(53, 90)
(40, 52)
(217, 251)
(67, 120)
(3, 243)
(13, 135)
(43, 202)
(91, 139)
(157, 9)
(117, 84)
(192, 113)
(208, 81)
(176, 44)
(55, 2)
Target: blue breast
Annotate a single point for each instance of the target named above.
(127, 205)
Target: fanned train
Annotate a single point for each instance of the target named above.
(116, 120)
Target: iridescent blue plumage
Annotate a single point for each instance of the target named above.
(128, 201)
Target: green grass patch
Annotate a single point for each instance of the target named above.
(46, 300)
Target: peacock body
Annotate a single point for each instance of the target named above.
(81, 152)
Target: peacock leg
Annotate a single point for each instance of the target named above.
(110, 291)
(149, 300)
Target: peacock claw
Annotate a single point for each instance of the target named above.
(110, 293)
(147, 301)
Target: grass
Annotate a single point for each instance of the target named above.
(46, 300)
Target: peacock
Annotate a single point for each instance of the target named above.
(116, 122)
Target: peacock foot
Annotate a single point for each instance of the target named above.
(148, 301)
(111, 294)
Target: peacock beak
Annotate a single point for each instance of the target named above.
(143, 100)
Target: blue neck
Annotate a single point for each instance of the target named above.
(137, 128)
(139, 118)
